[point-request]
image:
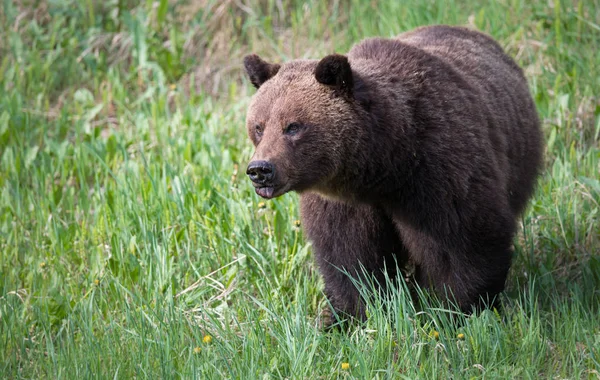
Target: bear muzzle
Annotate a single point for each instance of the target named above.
(261, 174)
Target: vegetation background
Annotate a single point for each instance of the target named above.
(132, 245)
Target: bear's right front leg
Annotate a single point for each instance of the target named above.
(344, 237)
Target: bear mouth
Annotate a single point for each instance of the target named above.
(270, 192)
(266, 192)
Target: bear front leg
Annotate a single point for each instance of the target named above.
(345, 237)
(468, 269)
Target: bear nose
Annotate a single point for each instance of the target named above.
(260, 172)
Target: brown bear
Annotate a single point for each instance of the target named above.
(423, 147)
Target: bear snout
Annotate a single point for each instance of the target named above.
(261, 172)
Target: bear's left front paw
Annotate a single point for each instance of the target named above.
(325, 320)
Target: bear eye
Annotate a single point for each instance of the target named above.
(292, 129)
(259, 130)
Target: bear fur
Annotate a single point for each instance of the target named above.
(423, 147)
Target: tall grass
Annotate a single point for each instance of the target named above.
(128, 231)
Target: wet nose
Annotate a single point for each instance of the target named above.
(260, 172)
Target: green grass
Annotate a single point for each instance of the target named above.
(128, 230)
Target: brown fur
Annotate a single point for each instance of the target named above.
(423, 147)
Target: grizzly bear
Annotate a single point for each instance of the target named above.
(423, 147)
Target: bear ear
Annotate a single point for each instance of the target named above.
(258, 70)
(334, 70)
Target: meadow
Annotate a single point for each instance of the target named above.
(133, 245)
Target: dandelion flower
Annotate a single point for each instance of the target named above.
(345, 366)
(197, 350)
(461, 336)
(96, 282)
(207, 339)
(262, 208)
(296, 226)
(434, 334)
(42, 265)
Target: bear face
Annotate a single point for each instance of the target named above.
(299, 121)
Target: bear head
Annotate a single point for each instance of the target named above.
(302, 122)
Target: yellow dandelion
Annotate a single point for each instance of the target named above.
(461, 336)
(296, 225)
(96, 282)
(197, 350)
(345, 366)
(173, 87)
(207, 339)
(262, 205)
(434, 334)
(42, 265)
